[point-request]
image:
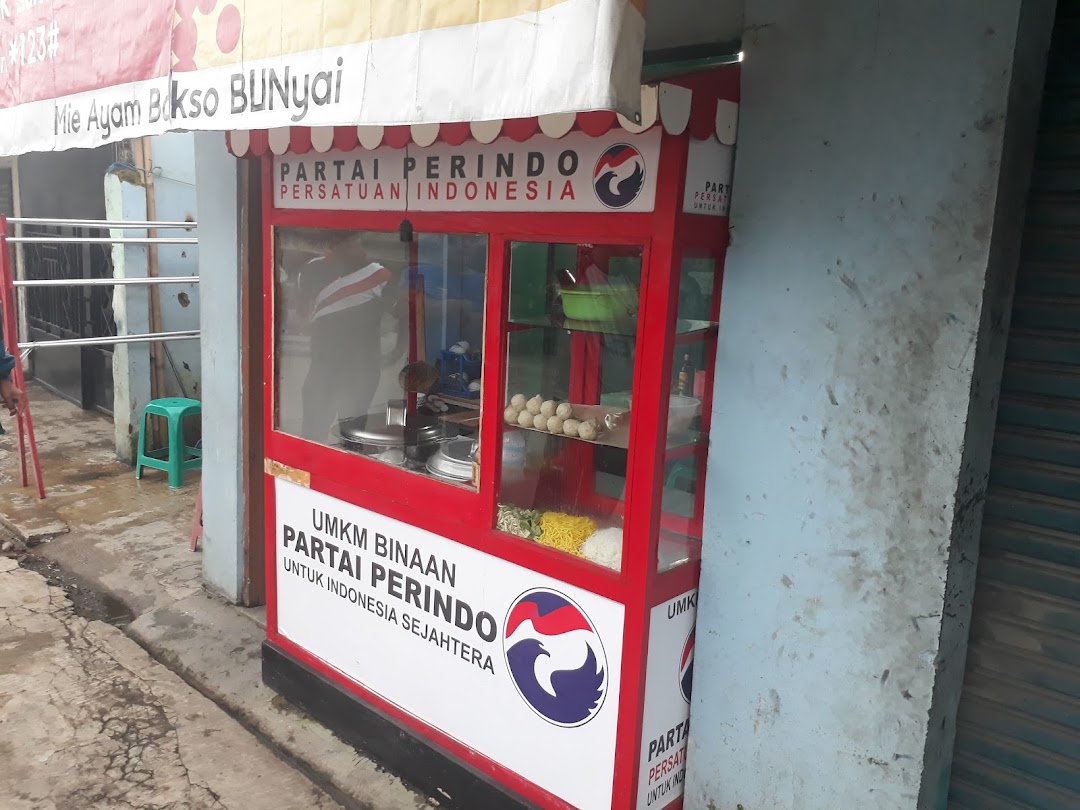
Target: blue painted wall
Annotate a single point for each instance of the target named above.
(174, 192)
(875, 225)
(173, 162)
(219, 276)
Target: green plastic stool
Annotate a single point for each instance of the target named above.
(176, 458)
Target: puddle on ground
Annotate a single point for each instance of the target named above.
(87, 602)
(285, 707)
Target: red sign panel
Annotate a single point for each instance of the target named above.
(73, 73)
(55, 48)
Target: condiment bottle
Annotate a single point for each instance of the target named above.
(686, 374)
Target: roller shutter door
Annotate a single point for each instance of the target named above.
(1018, 735)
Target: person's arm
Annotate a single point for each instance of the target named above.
(13, 398)
(396, 303)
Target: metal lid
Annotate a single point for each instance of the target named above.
(373, 429)
(454, 459)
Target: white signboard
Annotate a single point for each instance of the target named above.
(520, 667)
(574, 173)
(708, 178)
(666, 720)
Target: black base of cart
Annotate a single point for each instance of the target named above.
(432, 771)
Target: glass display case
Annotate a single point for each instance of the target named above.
(572, 336)
(489, 399)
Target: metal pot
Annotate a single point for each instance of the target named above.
(370, 435)
(454, 460)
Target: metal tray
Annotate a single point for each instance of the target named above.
(454, 460)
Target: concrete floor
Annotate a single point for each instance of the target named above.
(131, 536)
(128, 540)
(89, 720)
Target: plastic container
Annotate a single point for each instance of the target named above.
(456, 371)
(514, 456)
(610, 302)
(681, 412)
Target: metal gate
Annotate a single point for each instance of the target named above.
(1018, 734)
(82, 374)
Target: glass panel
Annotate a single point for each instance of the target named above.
(569, 373)
(378, 345)
(687, 435)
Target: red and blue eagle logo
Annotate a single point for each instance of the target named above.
(555, 658)
(619, 176)
(686, 667)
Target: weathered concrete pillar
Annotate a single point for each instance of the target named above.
(884, 155)
(174, 193)
(126, 201)
(219, 292)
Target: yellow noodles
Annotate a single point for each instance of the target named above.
(565, 532)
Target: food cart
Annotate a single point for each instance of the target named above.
(489, 356)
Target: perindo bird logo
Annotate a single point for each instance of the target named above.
(619, 176)
(555, 657)
(686, 667)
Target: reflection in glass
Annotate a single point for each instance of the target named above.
(686, 431)
(378, 345)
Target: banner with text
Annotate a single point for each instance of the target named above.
(576, 173)
(709, 167)
(74, 75)
(518, 666)
(669, 676)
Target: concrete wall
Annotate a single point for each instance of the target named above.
(219, 261)
(174, 192)
(876, 216)
(126, 201)
(678, 23)
(64, 185)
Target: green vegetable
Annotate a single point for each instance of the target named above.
(524, 523)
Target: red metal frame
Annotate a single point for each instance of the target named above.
(667, 235)
(24, 420)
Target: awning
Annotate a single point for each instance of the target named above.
(704, 111)
(81, 75)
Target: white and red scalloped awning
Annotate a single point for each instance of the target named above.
(676, 108)
(84, 74)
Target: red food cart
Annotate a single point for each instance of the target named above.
(489, 353)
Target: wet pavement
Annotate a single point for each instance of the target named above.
(119, 549)
(86, 600)
(88, 720)
(97, 520)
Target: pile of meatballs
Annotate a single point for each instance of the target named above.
(550, 416)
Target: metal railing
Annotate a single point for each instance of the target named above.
(106, 282)
(164, 337)
(61, 245)
(9, 286)
(102, 240)
(104, 225)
